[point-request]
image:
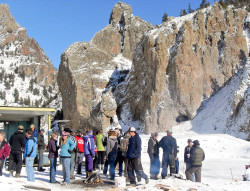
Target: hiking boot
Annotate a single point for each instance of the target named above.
(11, 173)
(132, 184)
(18, 175)
(41, 170)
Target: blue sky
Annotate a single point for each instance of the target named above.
(56, 24)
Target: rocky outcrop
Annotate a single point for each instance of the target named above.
(176, 66)
(180, 64)
(89, 69)
(24, 61)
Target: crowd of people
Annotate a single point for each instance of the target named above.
(100, 153)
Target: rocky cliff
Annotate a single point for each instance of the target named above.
(27, 76)
(175, 67)
(182, 63)
(89, 69)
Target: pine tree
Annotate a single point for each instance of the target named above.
(165, 18)
(190, 10)
(204, 4)
(16, 95)
(183, 12)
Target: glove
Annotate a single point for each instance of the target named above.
(69, 151)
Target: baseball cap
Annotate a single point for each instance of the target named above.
(132, 129)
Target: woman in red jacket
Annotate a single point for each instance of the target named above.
(4, 150)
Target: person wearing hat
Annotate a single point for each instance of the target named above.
(169, 146)
(41, 147)
(134, 157)
(197, 155)
(153, 152)
(30, 154)
(17, 143)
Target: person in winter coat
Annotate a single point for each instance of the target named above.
(95, 161)
(41, 147)
(72, 134)
(120, 154)
(30, 154)
(53, 155)
(67, 146)
(4, 150)
(187, 159)
(134, 157)
(169, 146)
(153, 152)
(35, 134)
(124, 141)
(17, 143)
(197, 155)
(111, 152)
(246, 176)
(89, 152)
(100, 149)
(79, 152)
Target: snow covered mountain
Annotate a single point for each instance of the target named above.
(27, 76)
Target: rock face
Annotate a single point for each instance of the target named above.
(88, 70)
(175, 67)
(25, 63)
(182, 63)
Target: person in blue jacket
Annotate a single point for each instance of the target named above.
(67, 146)
(89, 152)
(134, 157)
(30, 154)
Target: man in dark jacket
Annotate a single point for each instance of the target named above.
(169, 146)
(134, 157)
(17, 143)
(41, 147)
(197, 155)
(153, 152)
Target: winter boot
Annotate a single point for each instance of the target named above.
(87, 175)
(11, 173)
(18, 175)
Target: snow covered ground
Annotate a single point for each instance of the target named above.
(223, 154)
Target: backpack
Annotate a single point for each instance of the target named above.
(104, 142)
(124, 144)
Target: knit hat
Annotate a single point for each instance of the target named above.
(196, 142)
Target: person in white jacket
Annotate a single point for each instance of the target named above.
(246, 177)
